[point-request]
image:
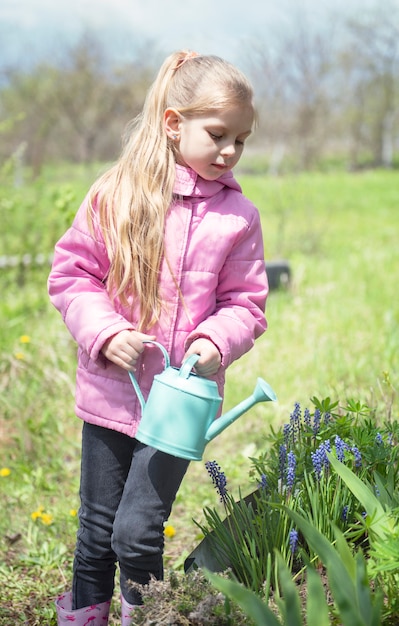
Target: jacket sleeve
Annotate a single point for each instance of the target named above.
(77, 289)
(241, 296)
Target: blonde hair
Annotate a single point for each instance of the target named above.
(134, 195)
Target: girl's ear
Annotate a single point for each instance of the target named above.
(171, 123)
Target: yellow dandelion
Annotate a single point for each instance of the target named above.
(73, 512)
(20, 356)
(24, 339)
(46, 519)
(169, 531)
(37, 514)
(5, 471)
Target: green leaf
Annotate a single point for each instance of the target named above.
(290, 606)
(325, 405)
(381, 523)
(341, 583)
(345, 553)
(316, 603)
(362, 588)
(249, 602)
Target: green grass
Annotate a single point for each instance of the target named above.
(334, 333)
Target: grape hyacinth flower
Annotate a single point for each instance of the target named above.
(263, 482)
(340, 447)
(291, 468)
(378, 439)
(357, 455)
(327, 448)
(295, 418)
(293, 540)
(317, 461)
(218, 479)
(324, 448)
(344, 514)
(316, 422)
(287, 434)
(282, 455)
(320, 459)
(306, 417)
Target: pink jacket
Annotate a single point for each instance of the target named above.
(215, 250)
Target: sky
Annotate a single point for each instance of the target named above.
(30, 28)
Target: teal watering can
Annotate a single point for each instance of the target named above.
(179, 415)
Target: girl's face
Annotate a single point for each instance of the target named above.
(210, 144)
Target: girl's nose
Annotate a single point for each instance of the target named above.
(228, 150)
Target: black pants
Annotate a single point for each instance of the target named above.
(127, 490)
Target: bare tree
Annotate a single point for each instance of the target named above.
(90, 96)
(74, 108)
(317, 94)
(293, 79)
(28, 98)
(371, 70)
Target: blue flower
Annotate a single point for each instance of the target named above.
(291, 467)
(295, 419)
(306, 417)
(327, 448)
(263, 482)
(218, 479)
(340, 447)
(320, 459)
(293, 540)
(287, 434)
(357, 455)
(345, 513)
(378, 439)
(317, 460)
(282, 455)
(316, 421)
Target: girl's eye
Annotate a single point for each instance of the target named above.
(215, 137)
(239, 143)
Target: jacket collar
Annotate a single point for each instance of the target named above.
(188, 183)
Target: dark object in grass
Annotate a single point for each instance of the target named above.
(278, 274)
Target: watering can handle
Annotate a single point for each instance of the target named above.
(134, 379)
(188, 365)
(163, 350)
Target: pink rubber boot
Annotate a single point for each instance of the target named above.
(127, 609)
(95, 615)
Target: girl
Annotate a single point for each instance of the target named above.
(164, 247)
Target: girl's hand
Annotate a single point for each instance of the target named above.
(210, 360)
(125, 348)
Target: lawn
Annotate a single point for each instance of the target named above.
(333, 333)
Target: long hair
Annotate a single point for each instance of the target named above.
(132, 198)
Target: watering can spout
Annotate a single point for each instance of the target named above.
(262, 393)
